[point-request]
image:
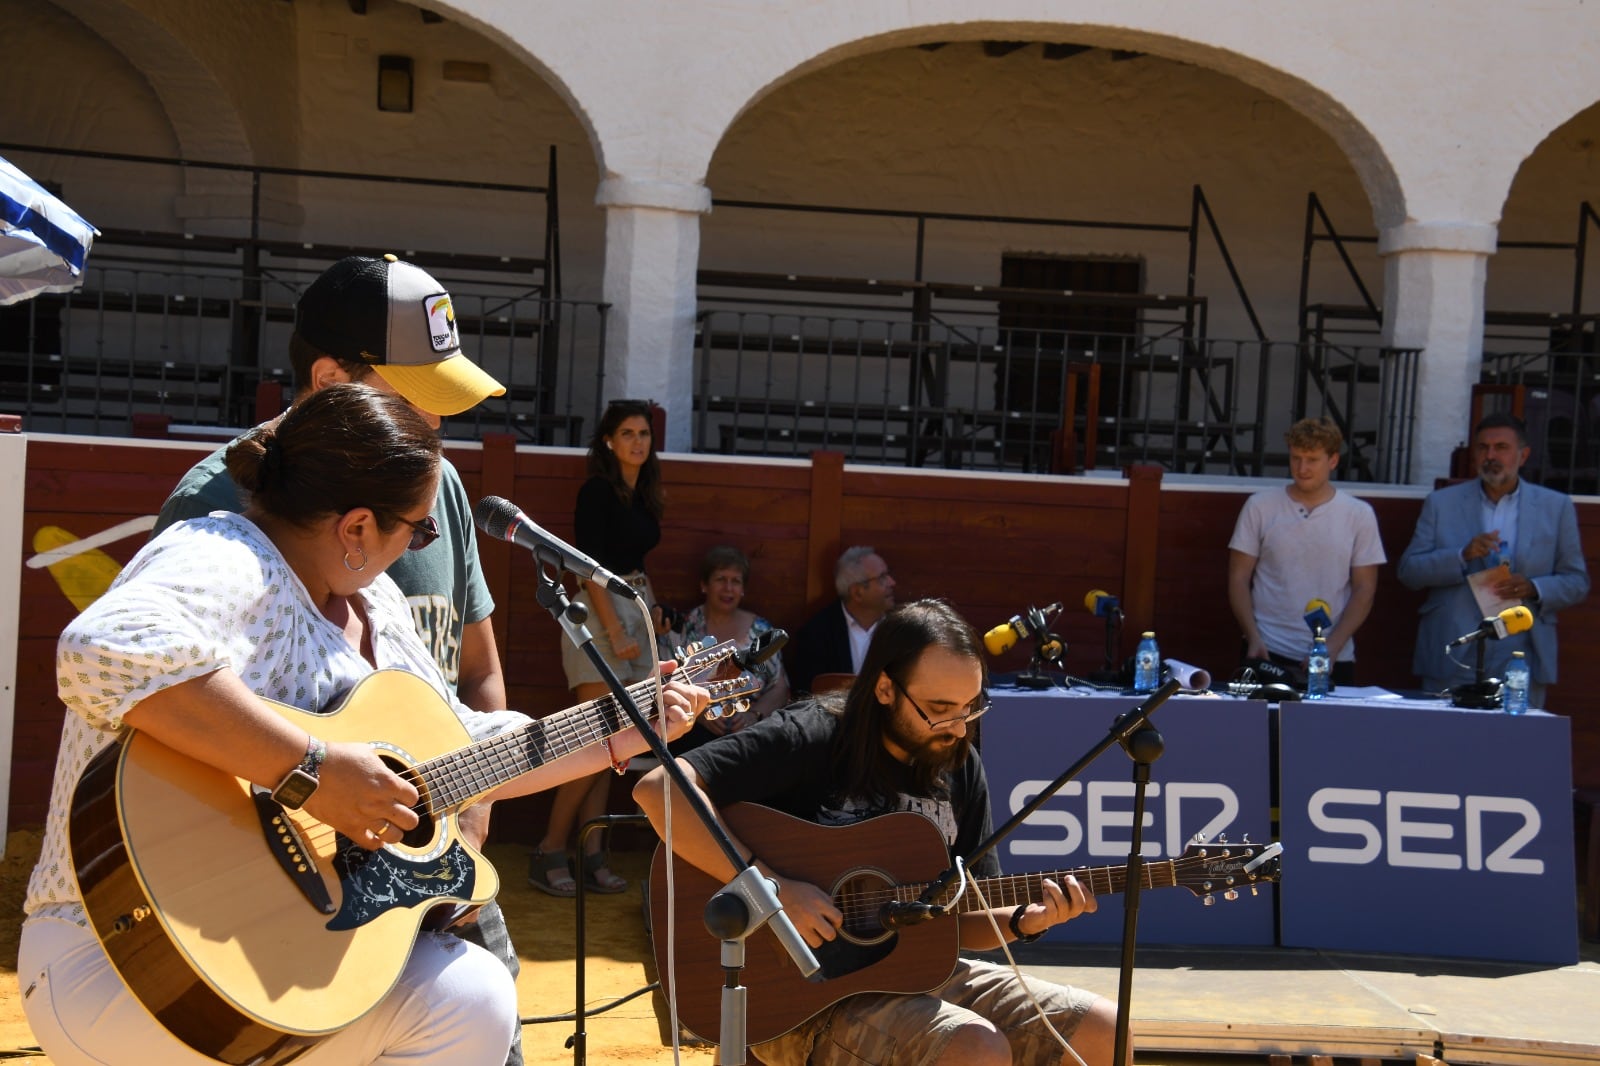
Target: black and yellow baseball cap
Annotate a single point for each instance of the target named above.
(397, 319)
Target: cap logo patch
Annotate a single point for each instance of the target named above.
(441, 323)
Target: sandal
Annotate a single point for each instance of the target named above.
(597, 878)
(551, 872)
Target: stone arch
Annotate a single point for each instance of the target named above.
(204, 119)
(1366, 155)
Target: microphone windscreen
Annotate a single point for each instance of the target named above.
(1517, 619)
(1318, 614)
(1092, 599)
(494, 516)
(1002, 638)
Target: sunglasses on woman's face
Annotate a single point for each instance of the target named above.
(423, 533)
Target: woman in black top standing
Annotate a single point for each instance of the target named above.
(617, 521)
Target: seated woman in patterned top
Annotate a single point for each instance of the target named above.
(723, 577)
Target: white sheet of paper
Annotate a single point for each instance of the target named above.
(1483, 583)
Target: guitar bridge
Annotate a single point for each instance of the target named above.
(284, 842)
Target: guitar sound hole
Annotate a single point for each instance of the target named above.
(860, 896)
(423, 834)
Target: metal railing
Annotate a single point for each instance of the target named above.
(1561, 405)
(145, 337)
(888, 390)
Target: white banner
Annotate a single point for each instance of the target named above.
(13, 471)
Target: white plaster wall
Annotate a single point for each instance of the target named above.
(1412, 113)
(13, 460)
(1453, 146)
(498, 132)
(67, 87)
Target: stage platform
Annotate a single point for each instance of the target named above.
(1248, 1005)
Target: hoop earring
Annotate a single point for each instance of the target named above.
(356, 569)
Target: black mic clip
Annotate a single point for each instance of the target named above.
(899, 914)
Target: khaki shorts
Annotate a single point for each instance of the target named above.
(907, 1030)
(576, 665)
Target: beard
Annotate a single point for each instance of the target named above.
(938, 751)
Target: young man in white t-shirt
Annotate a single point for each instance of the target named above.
(1306, 541)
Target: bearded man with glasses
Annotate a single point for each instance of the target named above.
(898, 740)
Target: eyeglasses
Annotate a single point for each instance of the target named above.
(976, 709)
(877, 579)
(423, 533)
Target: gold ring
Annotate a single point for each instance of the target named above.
(383, 827)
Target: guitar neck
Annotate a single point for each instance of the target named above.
(1012, 890)
(459, 777)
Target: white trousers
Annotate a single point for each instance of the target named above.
(453, 1004)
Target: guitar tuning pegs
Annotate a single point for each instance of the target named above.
(1222, 838)
(1255, 890)
(1247, 838)
(1231, 895)
(1208, 900)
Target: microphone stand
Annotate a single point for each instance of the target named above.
(741, 906)
(1144, 745)
(1109, 673)
(1482, 694)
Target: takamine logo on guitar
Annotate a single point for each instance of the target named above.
(271, 930)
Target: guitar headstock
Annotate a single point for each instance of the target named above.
(700, 667)
(1212, 868)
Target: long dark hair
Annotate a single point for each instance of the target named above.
(603, 464)
(342, 447)
(898, 644)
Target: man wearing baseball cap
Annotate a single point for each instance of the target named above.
(390, 325)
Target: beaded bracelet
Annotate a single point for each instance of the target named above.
(1016, 929)
(619, 768)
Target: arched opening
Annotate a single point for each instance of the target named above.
(1542, 319)
(228, 155)
(1140, 204)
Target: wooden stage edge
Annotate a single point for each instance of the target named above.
(1298, 1006)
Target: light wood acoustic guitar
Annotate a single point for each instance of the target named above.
(893, 857)
(249, 931)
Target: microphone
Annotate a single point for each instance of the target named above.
(504, 520)
(1319, 615)
(1003, 637)
(1102, 604)
(1508, 622)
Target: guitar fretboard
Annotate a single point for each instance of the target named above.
(459, 777)
(861, 906)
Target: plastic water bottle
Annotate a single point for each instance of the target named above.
(1514, 693)
(1147, 665)
(1317, 667)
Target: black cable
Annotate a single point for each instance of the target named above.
(573, 1016)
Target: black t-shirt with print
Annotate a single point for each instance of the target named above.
(785, 762)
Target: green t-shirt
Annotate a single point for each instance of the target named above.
(442, 582)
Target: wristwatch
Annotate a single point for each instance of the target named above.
(298, 784)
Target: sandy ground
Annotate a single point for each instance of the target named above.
(545, 931)
(542, 927)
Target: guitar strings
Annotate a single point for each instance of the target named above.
(861, 905)
(449, 780)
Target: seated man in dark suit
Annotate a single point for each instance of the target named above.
(835, 640)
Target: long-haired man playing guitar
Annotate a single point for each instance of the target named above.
(897, 741)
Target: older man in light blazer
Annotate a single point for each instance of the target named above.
(1463, 527)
